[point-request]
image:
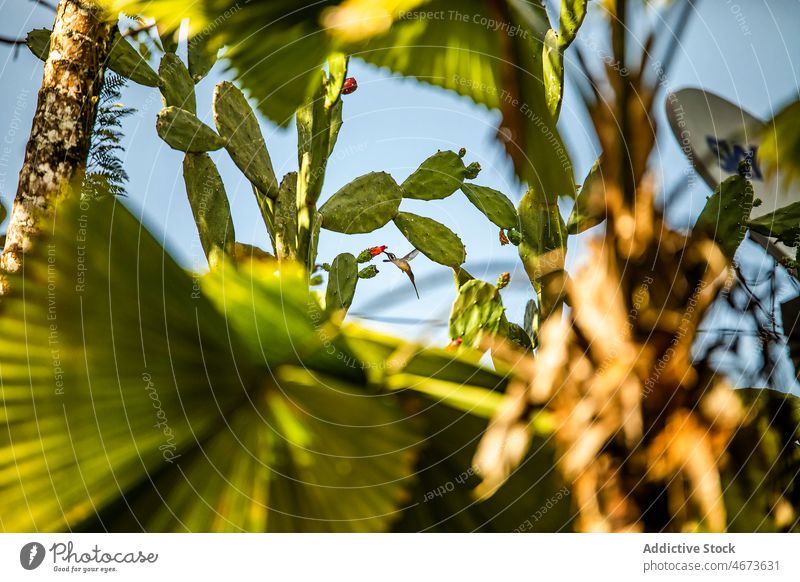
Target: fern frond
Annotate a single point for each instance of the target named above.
(105, 171)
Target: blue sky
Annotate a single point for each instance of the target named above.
(746, 51)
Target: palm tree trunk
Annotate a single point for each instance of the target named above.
(55, 157)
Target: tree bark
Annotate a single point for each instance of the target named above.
(55, 157)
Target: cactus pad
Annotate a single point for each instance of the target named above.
(337, 67)
(185, 132)
(365, 204)
(544, 238)
(437, 177)
(590, 205)
(210, 207)
(495, 205)
(285, 224)
(126, 61)
(237, 124)
(341, 283)
(176, 84)
(201, 57)
(433, 239)
(477, 310)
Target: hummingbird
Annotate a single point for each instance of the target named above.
(402, 264)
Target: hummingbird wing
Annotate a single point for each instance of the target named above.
(411, 255)
(411, 276)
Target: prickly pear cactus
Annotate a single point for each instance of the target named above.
(341, 283)
(185, 132)
(368, 272)
(437, 177)
(210, 207)
(313, 239)
(477, 310)
(202, 57)
(176, 85)
(313, 142)
(365, 204)
(493, 204)
(237, 124)
(168, 38)
(543, 248)
(590, 204)
(337, 69)
(285, 224)
(433, 239)
(126, 61)
(336, 125)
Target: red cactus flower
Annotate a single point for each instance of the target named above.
(375, 251)
(454, 344)
(349, 86)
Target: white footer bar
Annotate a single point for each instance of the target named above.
(400, 557)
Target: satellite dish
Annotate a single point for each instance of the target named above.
(716, 135)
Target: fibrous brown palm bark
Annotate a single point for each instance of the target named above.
(55, 156)
(646, 438)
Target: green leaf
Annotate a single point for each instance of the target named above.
(341, 283)
(477, 311)
(498, 68)
(210, 207)
(444, 498)
(780, 145)
(726, 213)
(590, 204)
(185, 132)
(753, 484)
(125, 60)
(783, 224)
(38, 41)
(433, 239)
(280, 65)
(237, 124)
(185, 413)
(570, 19)
(126, 368)
(176, 84)
(285, 327)
(495, 205)
(365, 204)
(437, 177)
